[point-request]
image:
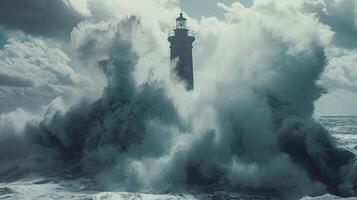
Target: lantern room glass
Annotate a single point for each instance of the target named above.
(181, 22)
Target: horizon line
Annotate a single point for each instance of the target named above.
(337, 116)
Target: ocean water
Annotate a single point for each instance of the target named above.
(344, 129)
(34, 183)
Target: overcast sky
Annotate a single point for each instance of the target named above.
(38, 61)
(208, 8)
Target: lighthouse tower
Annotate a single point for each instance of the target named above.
(181, 39)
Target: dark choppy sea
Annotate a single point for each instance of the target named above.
(344, 129)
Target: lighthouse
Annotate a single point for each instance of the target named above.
(181, 40)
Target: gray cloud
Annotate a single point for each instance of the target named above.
(341, 16)
(341, 72)
(247, 3)
(29, 98)
(50, 18)
(15, 81)
(33, 72)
